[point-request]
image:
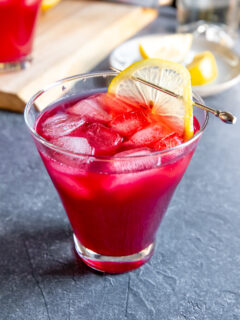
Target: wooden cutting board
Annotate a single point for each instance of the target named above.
(71, 38)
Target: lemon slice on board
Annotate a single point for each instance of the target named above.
(48, 4)
(203, 68)
(177, 113)
(172, 47)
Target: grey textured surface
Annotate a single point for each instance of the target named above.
(194, 274)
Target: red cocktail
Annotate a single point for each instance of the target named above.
(115, 166)
(17, 24)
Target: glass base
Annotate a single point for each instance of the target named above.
(22, 64)
(111, 264)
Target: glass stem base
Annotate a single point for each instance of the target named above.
(21, 64)
(112, 264)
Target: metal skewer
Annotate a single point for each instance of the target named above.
(226, 117)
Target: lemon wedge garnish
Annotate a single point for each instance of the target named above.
(177, 113)
(172, 47)
(203, 68)
(48, 4)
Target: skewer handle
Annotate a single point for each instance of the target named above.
(226, 117)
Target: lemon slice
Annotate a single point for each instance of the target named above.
(172, 47)
(177, 113)
(48, 4)
(203, 68)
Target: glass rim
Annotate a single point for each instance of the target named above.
(50, 145)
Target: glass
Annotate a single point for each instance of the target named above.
(115, 205)
(216, 20)
(17, 25)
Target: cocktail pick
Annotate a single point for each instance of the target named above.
(226, 117)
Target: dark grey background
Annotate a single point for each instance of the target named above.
(195, 272)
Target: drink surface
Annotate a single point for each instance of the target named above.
(17, 21)
(102, 124)
(114, 205)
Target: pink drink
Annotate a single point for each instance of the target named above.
(116, 197)
(17, 24)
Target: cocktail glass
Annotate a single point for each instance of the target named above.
(114, 204)
(17, 24)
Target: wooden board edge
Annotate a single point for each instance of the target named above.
(11, 102)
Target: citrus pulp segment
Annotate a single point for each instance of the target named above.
(175, 112)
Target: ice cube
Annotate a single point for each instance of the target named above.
(118, 104)
(74, 144)
(71, 175)
(91, 109)
(146, 136)
(75, 187)
(60, 125)
(128, 123)
(104, 140)
(168, 142)
(135, 160)
(133, 153)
